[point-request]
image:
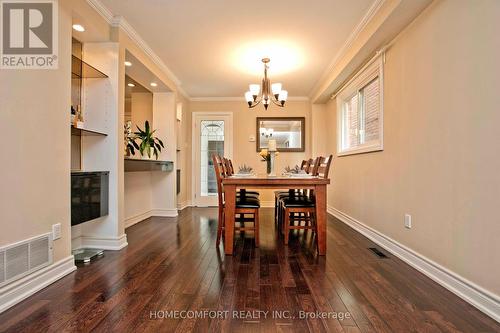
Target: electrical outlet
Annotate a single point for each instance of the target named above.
(408, 221)
(56, 231)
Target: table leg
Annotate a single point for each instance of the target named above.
(230, 207)
(320, 194)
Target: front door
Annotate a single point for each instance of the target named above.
(212, 134)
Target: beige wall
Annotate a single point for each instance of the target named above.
(35, 168)
(141, 110)
(137, 193)
(244, 126)
(440, 161)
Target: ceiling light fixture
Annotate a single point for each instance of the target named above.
(266, 132)
(268, 92)
(78, 27)
(154, 84)
(128, 63)
(131, 85)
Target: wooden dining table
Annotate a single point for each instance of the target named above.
(233, 183)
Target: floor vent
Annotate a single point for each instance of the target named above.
(379, 253)
(20, 259)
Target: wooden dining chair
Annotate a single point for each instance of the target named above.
(302, 208)
(310, 167)
(244, 205)
(304, 165)
(229, 171)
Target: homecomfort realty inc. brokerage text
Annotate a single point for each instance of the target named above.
(246, 315)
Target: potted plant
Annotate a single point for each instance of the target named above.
(130, 145)
(150, 145)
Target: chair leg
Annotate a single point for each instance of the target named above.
(282, 214)
(256, 226)
(276, 209)
(220, 222)
(286, 226)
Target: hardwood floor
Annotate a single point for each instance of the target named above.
(176, 266)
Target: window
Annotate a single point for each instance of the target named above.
(360, 112)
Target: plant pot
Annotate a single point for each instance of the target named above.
(146, 157)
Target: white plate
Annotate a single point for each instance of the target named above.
(300, 175)
(243, 175)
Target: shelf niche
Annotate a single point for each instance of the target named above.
(137, 165)
(85, 132)
(83, 70)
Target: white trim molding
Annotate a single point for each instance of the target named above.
(130, 221)
(475, 295)
(172, 212)
(267, 204)
(367, 18)
(183, 205)
(21, 289)
(104, 243)
(162, 212)
(120, 22)
(239, 99)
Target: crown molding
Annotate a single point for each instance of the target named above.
(121, 22)
(102, 10)
(348, 43)
(240, 99)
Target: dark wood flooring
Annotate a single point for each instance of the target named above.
(176, 266)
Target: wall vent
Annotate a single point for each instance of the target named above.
(25, 257)
(379, 253)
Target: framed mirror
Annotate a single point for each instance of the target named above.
(288, 132)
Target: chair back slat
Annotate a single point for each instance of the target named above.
(323, 167)
(219, 174)
(227, 167)
(315, 166)
(231, 168)
(303, 165)
(309, 166)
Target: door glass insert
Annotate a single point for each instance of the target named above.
(212, 142)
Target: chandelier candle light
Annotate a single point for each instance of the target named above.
(272, 152)
(269, 92)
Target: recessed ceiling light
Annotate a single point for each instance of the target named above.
(128, 63)
(154, 84)
(78, 27)
(131, 85)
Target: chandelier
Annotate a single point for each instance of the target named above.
(269, 92)
(266, 132)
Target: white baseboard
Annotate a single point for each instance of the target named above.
(104, 243)
(480, 298)
(171, 212)
(267, 204)
(184, 204)
(130, 221)
(15, 292)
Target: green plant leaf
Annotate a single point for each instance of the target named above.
(160, 142)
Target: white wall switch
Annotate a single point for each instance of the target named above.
(408, 221)
(56, 231)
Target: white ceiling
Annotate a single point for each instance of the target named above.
(214, 47)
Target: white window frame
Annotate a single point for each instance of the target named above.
(368, 73)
